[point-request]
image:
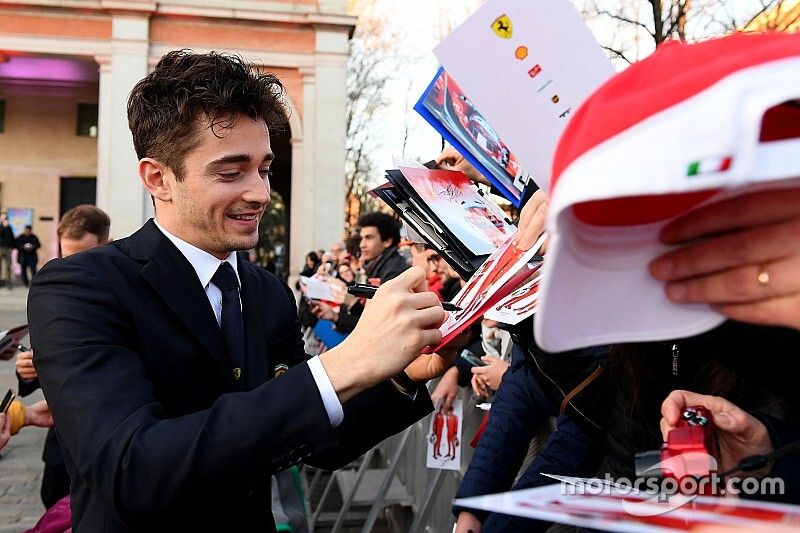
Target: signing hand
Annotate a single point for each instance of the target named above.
(24, 366)
(396, 325)
(739, 434)
(450, 159)
(741, 256)
(492, 374)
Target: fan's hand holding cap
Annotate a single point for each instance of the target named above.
(690, 125)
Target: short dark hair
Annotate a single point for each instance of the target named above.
(83, 219)
(387, 226)
(188, 92)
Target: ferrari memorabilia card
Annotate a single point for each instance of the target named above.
(444, 437)
(527, 66)
(518, 305)
(505, 270)
(445, 107)
(600, 505)
(474, 219)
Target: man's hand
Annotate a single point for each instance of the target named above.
(450, 159)
(5, 429)
(432, 365)
(739, 434)
(532, 221)
(38, 414)
(480, 388)
(324, 311)
(396, 325)
(492, 374)
(468, 523)
(446, 390)
(24, 366)
(741, 256)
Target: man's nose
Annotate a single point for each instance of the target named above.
(258, 190)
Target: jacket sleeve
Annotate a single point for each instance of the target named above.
(129, 451)
(24, 388)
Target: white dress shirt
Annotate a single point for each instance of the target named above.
(206, 265)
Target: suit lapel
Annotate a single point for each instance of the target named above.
(175, 283)
(254, 314)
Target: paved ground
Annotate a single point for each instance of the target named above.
(20, 461)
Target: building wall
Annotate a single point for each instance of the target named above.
(305, 42)
(38, 147)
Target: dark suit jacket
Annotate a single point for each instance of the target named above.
(154, 435)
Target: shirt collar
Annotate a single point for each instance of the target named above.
(204, 264)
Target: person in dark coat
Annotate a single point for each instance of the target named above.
(27, 255)
(175, 371)
(81, 228)
(380, 235)
(7, 243)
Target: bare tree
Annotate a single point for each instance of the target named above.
(371, 67)
(630, 29)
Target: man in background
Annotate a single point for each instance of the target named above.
(6, 245)
(81, 228)
(27, 255)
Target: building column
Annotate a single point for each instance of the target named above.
(303, 216)
(119, 191)
(328, 146)
(104, 124)
(298, 246)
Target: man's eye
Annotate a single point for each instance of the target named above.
(265, 173)
(229, 175)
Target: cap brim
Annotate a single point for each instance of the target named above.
(577, 309)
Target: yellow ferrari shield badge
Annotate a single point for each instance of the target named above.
(502, 26)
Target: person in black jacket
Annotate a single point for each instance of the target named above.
(27, 255)
(7, 243)
(380, 235)
(81, 228)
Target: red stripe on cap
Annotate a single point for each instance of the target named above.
(675, 72)
(635, 210)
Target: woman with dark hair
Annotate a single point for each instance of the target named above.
(304, 314)
(311, 266)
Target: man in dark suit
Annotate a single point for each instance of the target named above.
(164, 356)
(81, 228)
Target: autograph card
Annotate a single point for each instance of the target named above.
(323, 288)
(444, 437)
(475, 220)
(446, 107)
(518, 305)
(615, 508)
(501, 273)
(527, 66)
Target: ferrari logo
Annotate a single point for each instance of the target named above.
(237, 373)
(280, 369)
(502, 27)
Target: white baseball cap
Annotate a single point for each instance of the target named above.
(692, 124)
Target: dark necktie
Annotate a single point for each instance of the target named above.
(231, 324)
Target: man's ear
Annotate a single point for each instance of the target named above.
(156, 178)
